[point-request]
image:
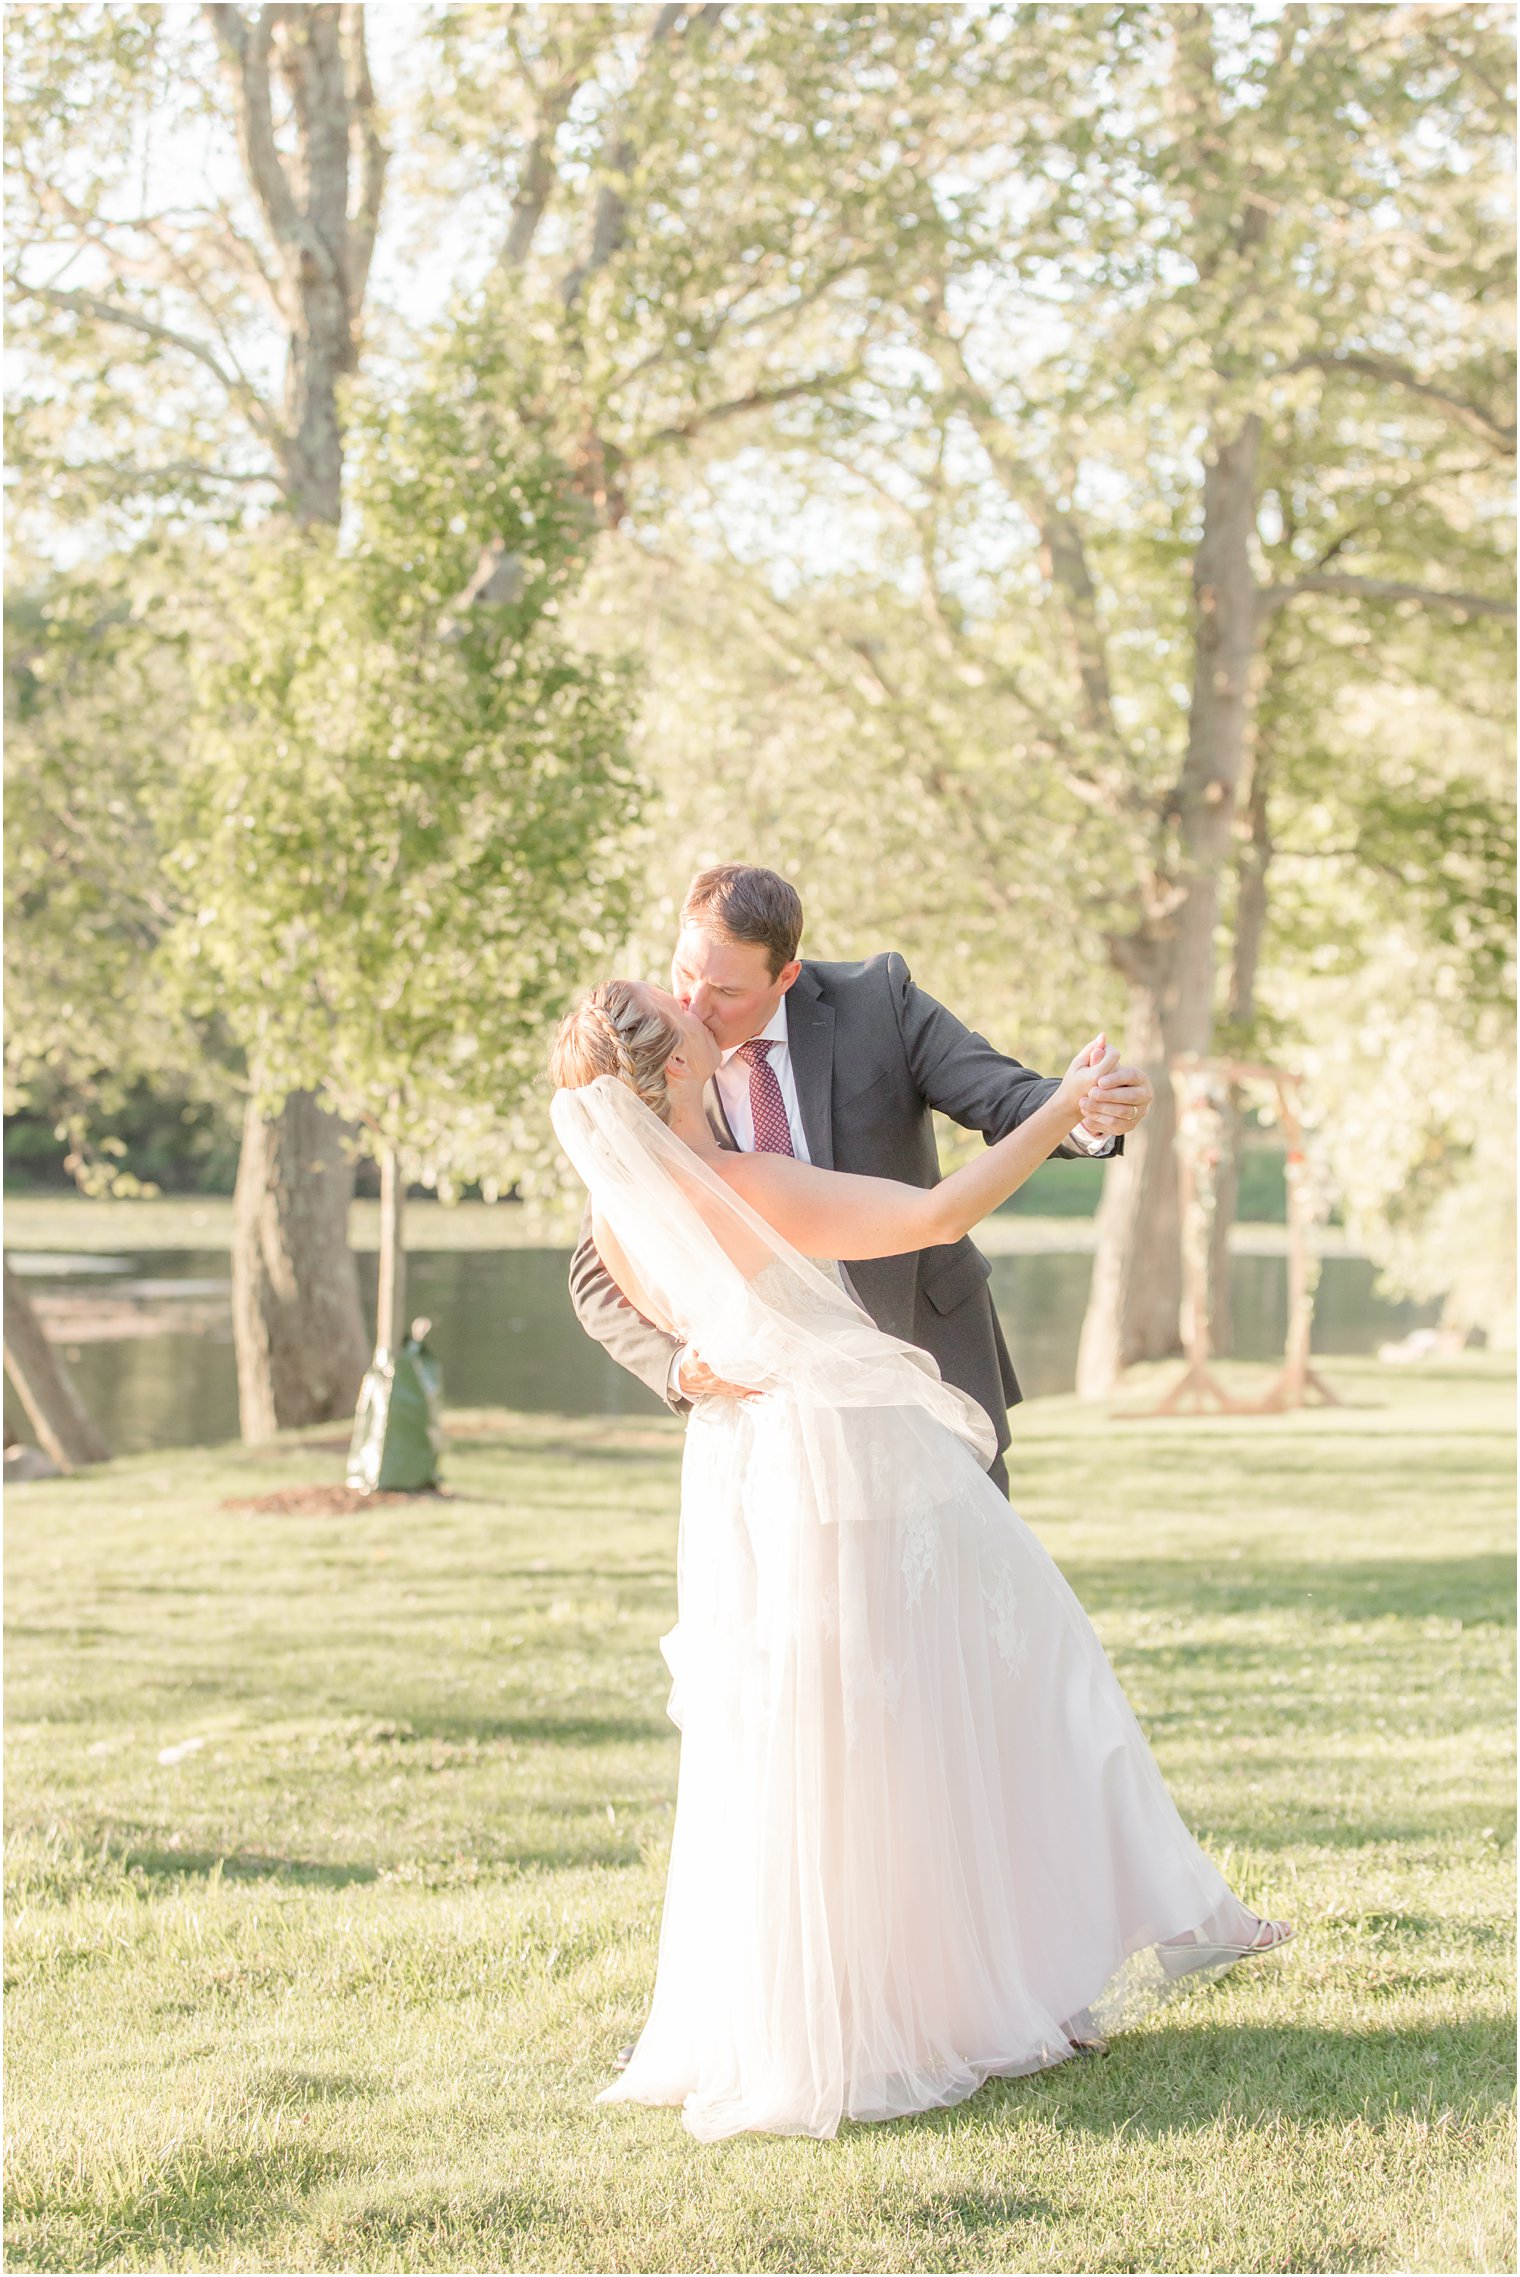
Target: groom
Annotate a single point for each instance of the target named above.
(842, 1065)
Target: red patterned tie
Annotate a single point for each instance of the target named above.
(773, 1134)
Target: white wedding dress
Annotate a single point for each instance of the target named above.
(920, 1839)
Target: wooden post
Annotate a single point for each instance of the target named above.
(1298, 1379)
(392, 1293)
(53, 1406)
(1199, 1085)
(1300, 1292)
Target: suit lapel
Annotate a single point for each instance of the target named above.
(810, 1040)
(717, 1120)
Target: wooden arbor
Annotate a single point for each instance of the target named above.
(54, 1408)
(1202, 1088)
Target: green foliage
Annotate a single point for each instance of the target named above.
(1450, 856)
(849, 320)
(130, 399)
(817, 732)
(156, 1135)
(701, 215)
(399, 841)
(98, 700)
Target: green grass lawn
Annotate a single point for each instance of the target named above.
(334, 1986)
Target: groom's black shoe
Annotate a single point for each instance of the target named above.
(623, 2058)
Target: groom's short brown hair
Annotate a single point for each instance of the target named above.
(748, 905)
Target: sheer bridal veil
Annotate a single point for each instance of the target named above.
(758, 1312)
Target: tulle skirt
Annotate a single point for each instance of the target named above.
(920, 1839)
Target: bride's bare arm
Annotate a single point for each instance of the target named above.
(834, 1213)
(613, 1256)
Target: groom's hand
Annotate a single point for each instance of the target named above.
(697, 1381)
(1117, 1102)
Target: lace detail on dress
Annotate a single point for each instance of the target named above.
(867, 1684)
(778, 1276)
(922, 1552)
(1000, 1595)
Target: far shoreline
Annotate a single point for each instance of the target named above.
(74, 1223)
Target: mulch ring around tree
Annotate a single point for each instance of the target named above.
(322, 1501)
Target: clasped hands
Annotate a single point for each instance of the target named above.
(1118, 1099)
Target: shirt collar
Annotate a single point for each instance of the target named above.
(774, 1031)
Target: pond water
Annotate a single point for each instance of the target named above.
(506, 1335)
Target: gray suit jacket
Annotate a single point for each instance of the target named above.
(873, 1056)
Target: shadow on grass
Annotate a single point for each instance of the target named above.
(967, 2211)
(659, 1454)
(536, 1730)
(1332, 1830)
(1185, 2078)
(658, 1458)
(607, 1572)
(1473, 1590)
(244, 1866)
(476, 2228)
(285, 2087)
(197, 2203)
(555, 1858)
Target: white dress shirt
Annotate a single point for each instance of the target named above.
(732, 1081)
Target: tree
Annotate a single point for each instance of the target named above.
(1387, 950)
(401, 843)
(616, 297)
(697, 217)
(1218, 306)
(825, 730)
(1097, 551)
(1143, 356)
(1260, 222)
(1380, 793)
(190, 292)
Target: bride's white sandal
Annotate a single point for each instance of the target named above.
(1182, 1955)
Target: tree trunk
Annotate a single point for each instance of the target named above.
(53, 1406)
(1132, 1310)
(320, 205)
(1133, 1305)
(322, 340)
(390, 1306)
(1250, 928)
(1226, 628)
(301, 1346)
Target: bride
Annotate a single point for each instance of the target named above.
(920, 1839)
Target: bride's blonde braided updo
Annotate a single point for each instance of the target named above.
(615, 1030)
